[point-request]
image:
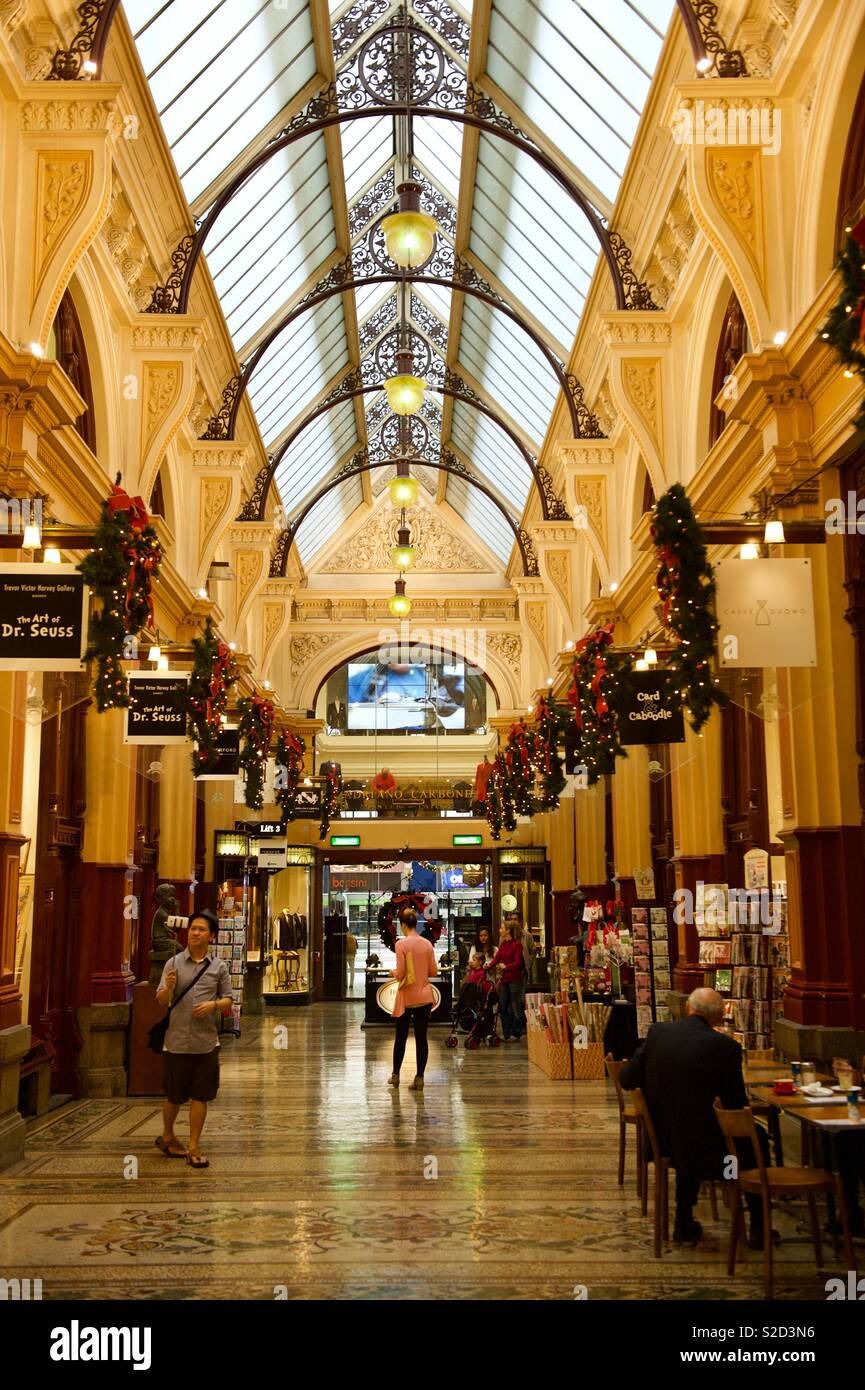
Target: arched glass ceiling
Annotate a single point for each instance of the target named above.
(226, 75)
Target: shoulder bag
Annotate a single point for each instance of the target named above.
(156, 1036)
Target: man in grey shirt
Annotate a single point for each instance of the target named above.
(191, 1050)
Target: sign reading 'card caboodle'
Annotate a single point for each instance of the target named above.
(43, 618)
(649, 712)
(156, 712)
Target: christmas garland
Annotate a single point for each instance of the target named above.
(599, 677)
(330, 790)
(500, 803)
(120, 570)
(518, 768)
(290, 749)
(256, 727)
(214, 672)
(546, 760)
(686, 587)
(845, 326)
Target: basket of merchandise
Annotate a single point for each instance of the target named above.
(587, 1024)
(548, 1036)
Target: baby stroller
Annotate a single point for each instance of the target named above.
(477, 1014)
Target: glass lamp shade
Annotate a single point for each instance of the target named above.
(774, 533)
(405, 394)
(409, 237)
(402, 556)
(400, 605)
(404, 492)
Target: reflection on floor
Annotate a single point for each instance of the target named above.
(319, 1183)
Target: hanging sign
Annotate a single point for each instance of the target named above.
(644, 882)
(765, 610)
(307, 803)
(43, 618)
(228, 758)
(757, 869)
(272, 854)
(650, 712)
(157, 707)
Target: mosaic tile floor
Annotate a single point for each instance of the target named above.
(318, 1183)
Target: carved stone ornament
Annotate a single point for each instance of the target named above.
(641, 384)
(305, 647)
(215, 499)
(64, 115)
(64, 185)
(161, 390)
(536, 617)
(508, 647)
(437, 547)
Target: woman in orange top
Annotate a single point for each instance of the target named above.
(415, 962)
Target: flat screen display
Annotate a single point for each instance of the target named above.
(394, 696)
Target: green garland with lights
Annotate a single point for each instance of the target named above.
(599, 680)
(546, 759)
(501, 813)
(256, 728)
(290, 749)
(120, 571)
(330, 789)
(519, 773)
(845, 327)
(214, 672)
(685, 583)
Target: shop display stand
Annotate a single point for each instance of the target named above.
(642, 968)
(231, 947)
(548, 1050)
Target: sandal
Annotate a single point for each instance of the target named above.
(197, 1161)
(164, 1145)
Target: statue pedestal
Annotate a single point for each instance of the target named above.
(145, 1067)
(157, 961)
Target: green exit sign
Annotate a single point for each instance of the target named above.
(468, 839)
(344, 841)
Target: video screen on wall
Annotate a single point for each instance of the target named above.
(371, 695)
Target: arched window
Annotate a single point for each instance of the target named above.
(72, 356)
(156, 505)
(731, 344)
(649, 498)
(851, 193)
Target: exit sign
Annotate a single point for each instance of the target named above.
(468, 839)
(344, 841)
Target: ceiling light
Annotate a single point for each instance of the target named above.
(307, 781)
(650, 656)
(202, 593)
(531, 709)
(220, 569)
(32, 539)
(404, 490)
(266, 685)
(774, 533)
(155, 652)
(403, 553)
(569, 646)
(409, 234)
(52, 555)
(749, 551)
(89, 66)
(37, 349)
(405, 393)
(162, 664)
(400, 603)
(614, 586)
(641, 664)
(780, 338)
(232, 646)
(549, 680)
(704, 64)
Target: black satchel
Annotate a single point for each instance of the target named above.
(156, 1036)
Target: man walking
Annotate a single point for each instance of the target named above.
(201, 988)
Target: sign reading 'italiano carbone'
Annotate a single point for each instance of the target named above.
(156, 712)
(43, 618)
(650, 713)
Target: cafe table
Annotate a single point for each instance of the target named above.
(759, 1080)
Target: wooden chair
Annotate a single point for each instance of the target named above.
(627, 1116)
(767, 1183)
(662, 1166)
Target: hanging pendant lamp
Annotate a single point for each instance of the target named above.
(409, 234)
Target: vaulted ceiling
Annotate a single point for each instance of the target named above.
(228, 75)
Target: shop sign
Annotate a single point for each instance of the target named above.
(157, 707)
(650, 712)
(467, 840)
(757, 869)
(644, 882)
(364, 881)
(263, 829)
(765, 612)
(272, 854)
(43, 618)
(307, 803)
(228, 757)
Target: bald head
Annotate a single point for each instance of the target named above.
(708, 1004)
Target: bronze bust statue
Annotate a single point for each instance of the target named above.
(163, 931)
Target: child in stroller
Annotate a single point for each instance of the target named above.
(476, 1011)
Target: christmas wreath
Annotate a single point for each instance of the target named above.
(290, 749)
(256, 728)
(214, 672)
(330, 789)
(388, 917)
(546, 760)
(845, 326)
(599, 676)
(120, 569)
(686, 587)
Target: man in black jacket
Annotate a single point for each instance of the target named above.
(680, 1068)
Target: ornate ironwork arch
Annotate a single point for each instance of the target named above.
(352, 385)
(363, 267)
(95, 20)
(439, 91)
(362, 463)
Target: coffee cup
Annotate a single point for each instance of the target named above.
(784, 1086)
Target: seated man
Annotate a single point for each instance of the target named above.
(384, 783)
(681, 1068)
